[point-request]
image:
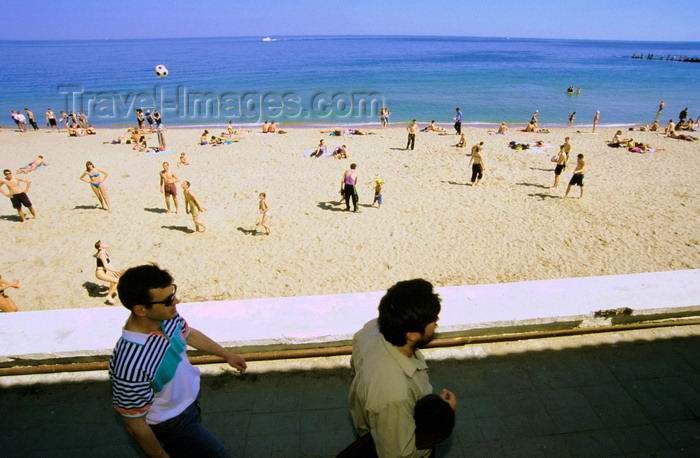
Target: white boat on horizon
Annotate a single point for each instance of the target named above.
(268, 39)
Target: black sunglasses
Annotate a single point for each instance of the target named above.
(168, 300)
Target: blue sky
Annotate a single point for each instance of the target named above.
(581, 19)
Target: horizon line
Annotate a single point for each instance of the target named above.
(324, 36)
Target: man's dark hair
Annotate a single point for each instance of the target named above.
(408, 306)
(435, 420)
(135, 284)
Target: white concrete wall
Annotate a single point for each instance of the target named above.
(292, 321)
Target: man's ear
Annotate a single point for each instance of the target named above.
(412, 336)
(139, 310)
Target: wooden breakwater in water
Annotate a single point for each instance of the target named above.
(651, 56)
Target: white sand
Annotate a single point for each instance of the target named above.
(640, 213)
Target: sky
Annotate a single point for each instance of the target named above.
(639, 20)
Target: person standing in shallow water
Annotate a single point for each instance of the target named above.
(659, 110)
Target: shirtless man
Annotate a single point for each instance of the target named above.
(82, 119)
(567, 146)
(167, 186)
(30, 118)
(17, 195)
(577, 178)
(562, 158)
(412, 131)
(39, 160)
(51, 120)
(502, 129)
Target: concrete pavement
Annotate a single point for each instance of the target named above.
(632, 393)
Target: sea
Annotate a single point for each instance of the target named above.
(345, 81)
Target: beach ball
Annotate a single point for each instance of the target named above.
(161, 71)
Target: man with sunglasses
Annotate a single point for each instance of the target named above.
(154, 386)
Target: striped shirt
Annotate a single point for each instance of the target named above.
(151, 374)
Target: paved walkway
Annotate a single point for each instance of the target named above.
(634, 393)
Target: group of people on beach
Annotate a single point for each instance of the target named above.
(76, 125)
(154, 120)
(18, 188)
(477, 161)
(21, 120)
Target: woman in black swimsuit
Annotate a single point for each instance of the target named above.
(6, 302)
(104, 270)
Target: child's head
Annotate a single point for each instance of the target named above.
(262, 195)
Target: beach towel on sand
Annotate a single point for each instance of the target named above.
(27, 166)
(328, 152)
(546, 145)
(167, 151)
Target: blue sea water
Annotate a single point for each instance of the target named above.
(345, 80)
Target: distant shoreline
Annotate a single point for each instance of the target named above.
(371, 125)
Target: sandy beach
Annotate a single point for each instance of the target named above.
(640, 213)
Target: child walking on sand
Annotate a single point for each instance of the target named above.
(265, 211)
(378, 193)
